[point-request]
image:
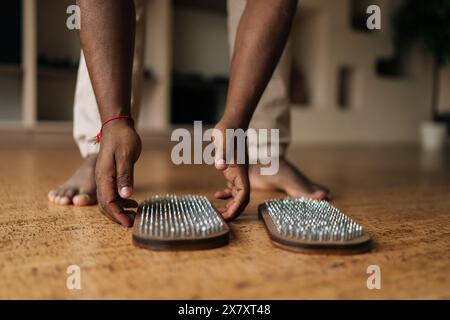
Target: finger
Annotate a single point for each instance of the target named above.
(231, 211)
(221, 210)
(106, 187)
(224, 194)
(107, 191)
(116, 214)
(130, 214)
(127, 203)
(236, 206)
(110, 208)
(221, 165)
(125, 171)
(219, 155)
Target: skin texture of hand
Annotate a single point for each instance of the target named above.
(114, 172)
(107, 38)
(264, 24)
(237, 191)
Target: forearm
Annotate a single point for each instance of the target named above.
(107, 38)
(261, 37)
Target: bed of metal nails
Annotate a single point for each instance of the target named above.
(307, 219)
(191, 216)
(185, 216)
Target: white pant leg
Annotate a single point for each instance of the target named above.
(87, 121)
(273, 110)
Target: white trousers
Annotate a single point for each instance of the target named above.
(273, 111)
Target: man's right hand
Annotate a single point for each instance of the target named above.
(119, 151)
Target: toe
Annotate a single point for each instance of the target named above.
(52, 195)
(302, 193)
(84, 199)
(70, 193)
(55, 195)
(58, 199)
(66, 197)
(64, 201)
(60, 192)
(62, 195)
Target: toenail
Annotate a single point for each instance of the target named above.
(81, 200)
(64, 200)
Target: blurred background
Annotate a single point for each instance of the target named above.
(349, 85)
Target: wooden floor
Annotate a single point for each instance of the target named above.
(401, 197)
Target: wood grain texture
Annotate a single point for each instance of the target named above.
(400, 196)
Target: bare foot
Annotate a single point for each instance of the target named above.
(288, 179)
(80, 189)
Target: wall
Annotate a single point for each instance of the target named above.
(54, 39)
(56, 87)
(200, 41)
(385, 109)
(158, 59)
(10, 93)
(444, 94)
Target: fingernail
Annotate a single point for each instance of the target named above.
(125, 192)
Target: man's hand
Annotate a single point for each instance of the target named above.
(264, 24)
(237, 191)
(107, 38)
(120, 149)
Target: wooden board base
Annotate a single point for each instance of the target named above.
(211, 241)
(354, 246)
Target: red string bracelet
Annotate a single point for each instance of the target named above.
(98, 137)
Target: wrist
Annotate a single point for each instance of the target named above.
(118, 124)
(233, 121)
(115, 112)
(113, 125)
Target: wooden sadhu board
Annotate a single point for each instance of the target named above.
(179, 222)
(312, 226)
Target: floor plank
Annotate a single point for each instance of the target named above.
(400, 195)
